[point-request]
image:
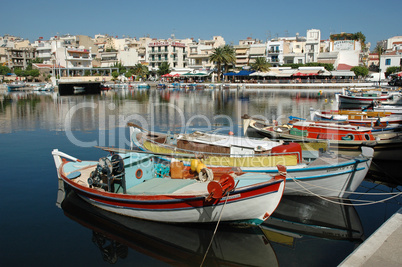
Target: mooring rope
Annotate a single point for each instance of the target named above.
(367, 202)
(216, 228)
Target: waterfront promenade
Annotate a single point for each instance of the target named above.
(382, 248)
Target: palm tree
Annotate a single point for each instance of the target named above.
(230, 56)
(218, 57)
(140, 70)
(380, 50)
(223, 56)
(164, 68)
(260, 64)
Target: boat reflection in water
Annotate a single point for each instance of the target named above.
(173, 244)
(310, 231)
(305, 215)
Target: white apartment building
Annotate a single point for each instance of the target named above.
(43, 50)
(199, 52)
(275, 54)
(172, 51)
(293, 50)
(312, 47)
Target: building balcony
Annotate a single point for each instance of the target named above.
(78, 58)
(274, 51)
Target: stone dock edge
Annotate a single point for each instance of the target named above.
(382, 248)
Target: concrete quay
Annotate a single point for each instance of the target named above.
(382, 248)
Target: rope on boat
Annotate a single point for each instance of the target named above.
(366, 202)
(216, 227)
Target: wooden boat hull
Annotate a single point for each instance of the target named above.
(346, 99)
(331, 175)
(383, 149)
(251, 202)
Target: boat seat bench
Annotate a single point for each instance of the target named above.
(156, 186)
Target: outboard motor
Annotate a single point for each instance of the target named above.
(107, 172)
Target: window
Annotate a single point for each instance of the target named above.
(388, 61)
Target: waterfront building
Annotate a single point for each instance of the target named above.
(173, 51)
(257, 50)
(199, 52)
(275, 54)
(293, 50)
(312, 48)
(43, 50)
(394, 43)
(390, 59)
(19, 58)
(348, 48)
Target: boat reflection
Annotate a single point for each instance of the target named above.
(172, 244)
(335, 219)
(385, 172)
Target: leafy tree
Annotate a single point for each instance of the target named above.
(360, 71)
(115, 74)
(87, 73)
(4, 70)
(19, 72)
(164, 68)
(260, 64)
(128, 74)
(391, 70)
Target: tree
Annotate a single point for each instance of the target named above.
(120, 66)
(164, 68)
(141, 71)
(4, 70)
(115, 74)
(391, 70)
(19, 72)
(261, 64)
(128, 74)
(360, 71)
(379, 49)
(230, 56)
(218, 57)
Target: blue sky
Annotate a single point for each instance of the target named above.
(234, 20)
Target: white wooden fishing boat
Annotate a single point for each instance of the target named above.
(15, 86)
(138, 185)
(367, 97)
(355, 117)
(343, 139)
(325, 174)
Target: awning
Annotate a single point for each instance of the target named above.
(229, 74)
(244, 73)
(258, 73)
(169, 75)
(340, 73)
(198, 74)
(305, 73)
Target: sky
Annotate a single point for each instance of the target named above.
(233, 20)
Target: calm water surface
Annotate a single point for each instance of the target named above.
(39, 228)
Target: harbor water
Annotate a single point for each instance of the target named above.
(43, 223)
